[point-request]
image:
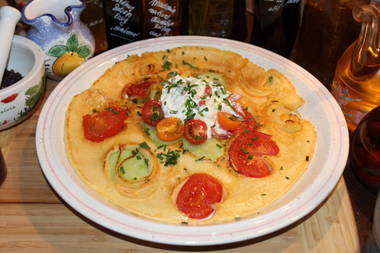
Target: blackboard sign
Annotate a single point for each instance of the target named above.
(123, 21)
(162, 17)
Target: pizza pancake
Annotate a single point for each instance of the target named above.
(270, 97)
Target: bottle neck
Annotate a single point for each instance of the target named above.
(366, 55)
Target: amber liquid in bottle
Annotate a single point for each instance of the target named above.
(356, 85)
(356, 96)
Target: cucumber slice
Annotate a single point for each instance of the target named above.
(217, 78)
(128, 163)
(136, 167)
(212, 149)
(152, 133)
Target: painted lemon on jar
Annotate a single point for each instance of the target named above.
(69, 56)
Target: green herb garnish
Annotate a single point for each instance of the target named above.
(144, 145)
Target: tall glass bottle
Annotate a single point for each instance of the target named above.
(93, 17)
(356, 85)
(327, 29)
(276, 24)
(222, 18)
(162, 17)
(123, 21)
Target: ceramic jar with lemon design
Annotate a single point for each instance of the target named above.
(57, 29)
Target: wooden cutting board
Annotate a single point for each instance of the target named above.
(34, 219)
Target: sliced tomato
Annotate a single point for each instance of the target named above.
(198, 194)
(105, 124)
(195, 131)
(170, 129)
(228, 121)
(139, 89)
(247, 150)
(152, 112)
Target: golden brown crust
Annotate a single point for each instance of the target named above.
(271, 98)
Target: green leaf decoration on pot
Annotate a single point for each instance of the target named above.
(32, 97)
(84, 51)
(57, 51)
(72, 43)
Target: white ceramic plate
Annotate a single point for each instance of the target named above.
(318, 181)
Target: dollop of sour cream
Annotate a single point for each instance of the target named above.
(196, 98)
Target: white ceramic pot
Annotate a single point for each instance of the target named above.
(19, 100)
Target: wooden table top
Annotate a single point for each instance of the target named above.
(34, 219)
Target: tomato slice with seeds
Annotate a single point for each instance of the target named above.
(152, 112)
(195, 131)
(247, 150)
(169, 129)
(140, 89)
(198, 195)
(105, 124)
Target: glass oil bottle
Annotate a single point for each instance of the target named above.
(356, 85)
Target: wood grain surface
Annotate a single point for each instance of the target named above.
(34, 219)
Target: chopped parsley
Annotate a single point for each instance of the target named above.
(172, 74)
(201, 158)
(155, 117)
(166, 66)
(244, 151)
(169, 158)
(144, 145)
(190, 65)
(147, 131)
(112, 110)
(163, 147)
